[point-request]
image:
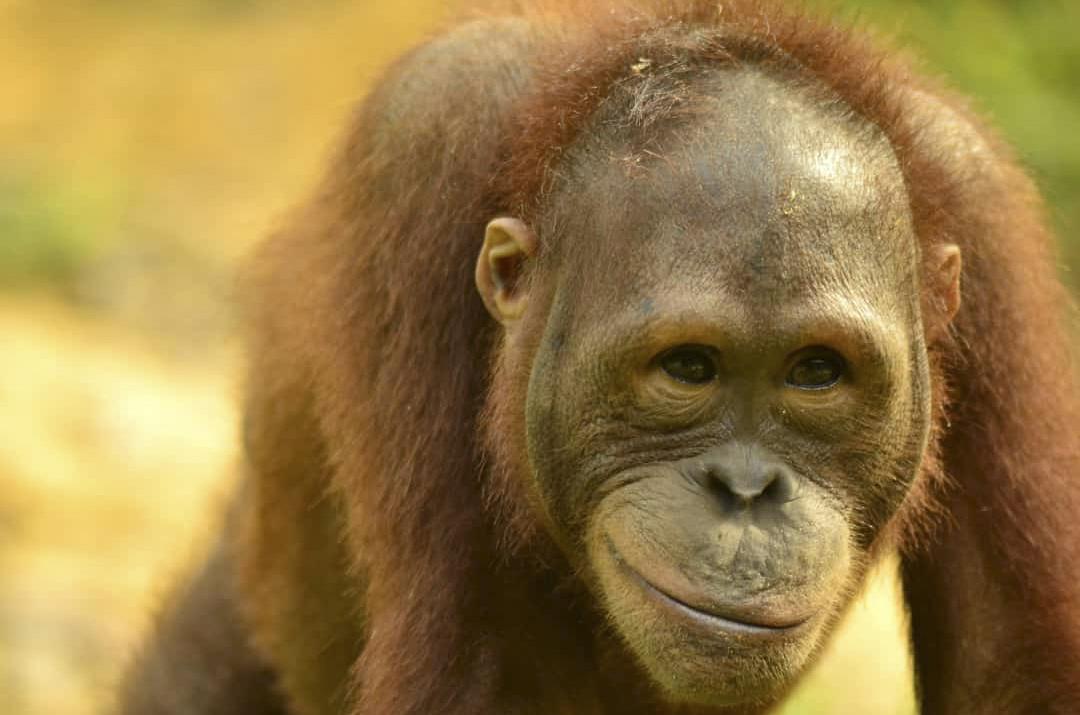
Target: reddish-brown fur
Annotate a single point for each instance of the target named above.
(371, 365)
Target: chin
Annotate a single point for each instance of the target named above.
(705, 656)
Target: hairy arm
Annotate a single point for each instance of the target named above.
(200, 661)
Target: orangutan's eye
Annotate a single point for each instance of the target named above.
(692, 364)
(820, 371)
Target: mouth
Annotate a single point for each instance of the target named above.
(710, 618)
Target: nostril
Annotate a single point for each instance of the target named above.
(772, 491)
(736, 491)
(740, 490)
(780, 489)
(738, 479)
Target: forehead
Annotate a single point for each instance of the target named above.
(760, 192)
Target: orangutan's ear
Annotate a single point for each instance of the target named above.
(943, 278)
(508, 244)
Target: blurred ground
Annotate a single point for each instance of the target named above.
(143, 146)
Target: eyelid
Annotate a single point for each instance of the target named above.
(817, 352)
(710, 354)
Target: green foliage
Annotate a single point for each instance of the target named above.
(47, 233)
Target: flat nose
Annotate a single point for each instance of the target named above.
(745, 477)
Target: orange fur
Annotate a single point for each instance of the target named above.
(366, 322)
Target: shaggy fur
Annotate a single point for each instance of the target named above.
(388, 553)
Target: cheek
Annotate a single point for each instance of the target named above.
(544, 435)
(866, 448)
(573, 440)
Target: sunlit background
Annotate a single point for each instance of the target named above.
(144, 146)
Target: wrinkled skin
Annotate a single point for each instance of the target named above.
(723, 523)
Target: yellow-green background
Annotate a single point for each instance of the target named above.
(144, 145)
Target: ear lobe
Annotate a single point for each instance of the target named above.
(508, 243)
(944, 264)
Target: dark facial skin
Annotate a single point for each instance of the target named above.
(730, 397)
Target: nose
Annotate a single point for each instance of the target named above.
(742, 477)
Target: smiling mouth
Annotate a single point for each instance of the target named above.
(707, 618)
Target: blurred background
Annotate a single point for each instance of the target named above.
(144, 146)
